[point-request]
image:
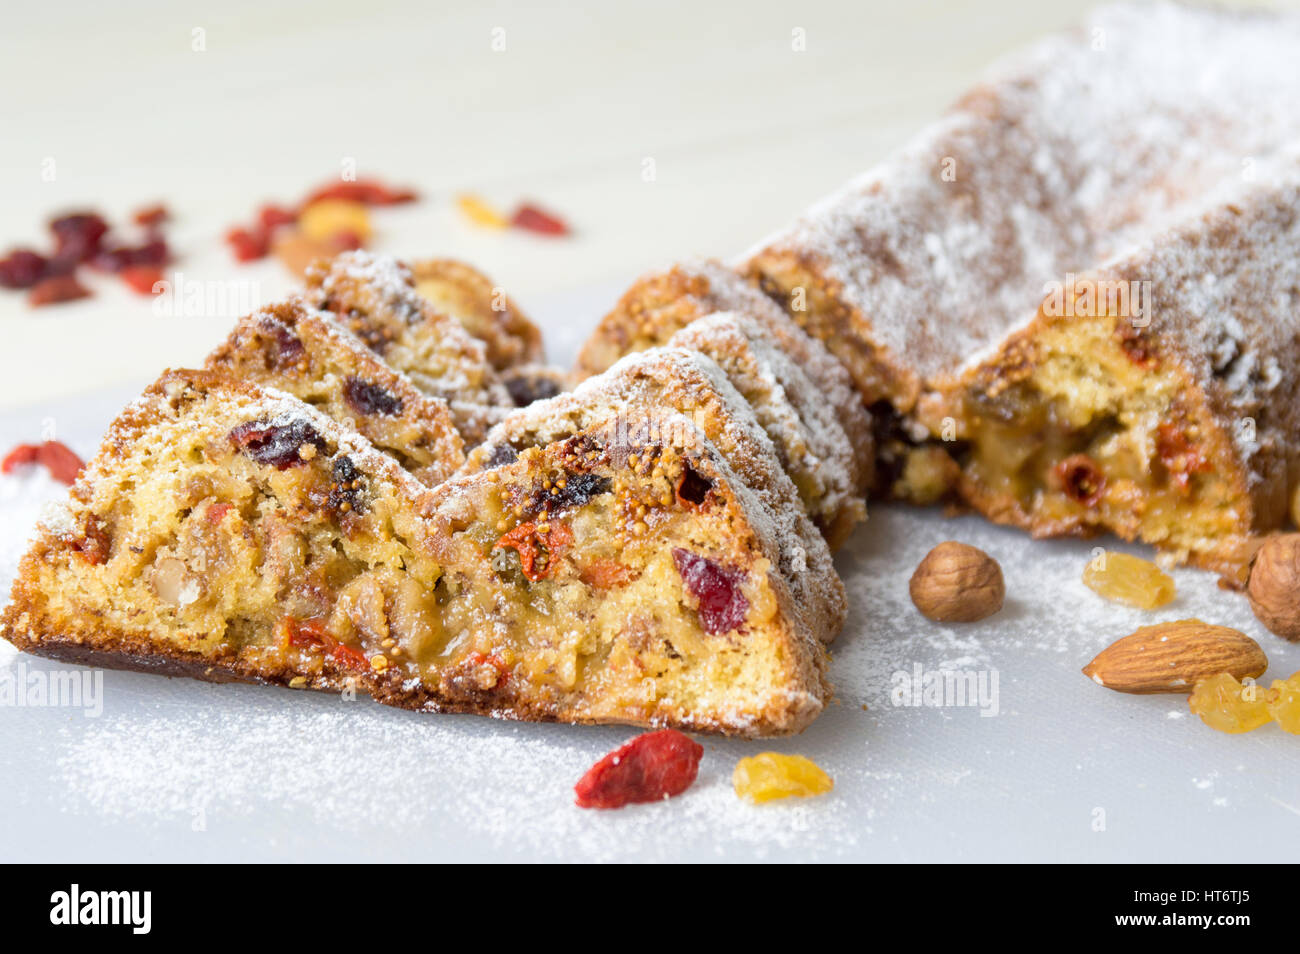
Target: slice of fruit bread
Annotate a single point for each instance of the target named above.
(229, 532)
(831, 475)
(374, 297)
(635, 390)
(304, 352)
(482, 307)
(660, 304)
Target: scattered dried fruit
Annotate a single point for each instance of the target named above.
(957, 583)
(653, 766)
(1170, 657)
(534, 219)
(722, 606)
(327, 218)
(60, 460)
(22, 268)
(1274, 586)
(77, 237)
(1225, 705)
(480, 213)
(56, 289)
(143, 279)
(151, 216)
(364, 191)
(1128, 579)
(773, 775)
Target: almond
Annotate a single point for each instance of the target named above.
(1173, 657)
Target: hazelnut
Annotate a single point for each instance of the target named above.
(957, 583)
(1274, 586)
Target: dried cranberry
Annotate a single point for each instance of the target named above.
(59, 288)
(533, 219)
(367, 398)
(121, 257)
(692, 487)
(77, 237)
(22, 268)
(1081, 479)
(650, 768)
(346, 493)
(278, 445)
(722, 606)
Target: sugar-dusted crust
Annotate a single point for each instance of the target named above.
(660, 304)
(1184, 400)
(193, 546)
(462, 291)
(827, 471)
(1066, 154)
(689, 382)
(374, 297)
(296, 349)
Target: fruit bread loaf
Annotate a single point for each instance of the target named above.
(229, 532)
(1068, 153)
(1155, 395)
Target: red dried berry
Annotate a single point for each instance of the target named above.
(151, 216)
(77, 237)
(534, 219)
(271, 217)
(58, 288)
(277, 445)
(22, 268)
(722, 606)
(248, 245)
(20, 455)
(142, 278)
(365, 191)
(651, 767)
(60, 460)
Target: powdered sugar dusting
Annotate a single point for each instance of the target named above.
(1071, 151)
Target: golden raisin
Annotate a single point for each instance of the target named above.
(772, 775)
(479, 212)
(1284, 703)
(1129, 580)
(1226, 705)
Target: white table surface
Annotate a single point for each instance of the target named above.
(743, 132)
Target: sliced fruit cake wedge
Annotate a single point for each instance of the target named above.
(374, 297)
(297, 349)
(688, 382)
(482, 307)
(230, 532)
